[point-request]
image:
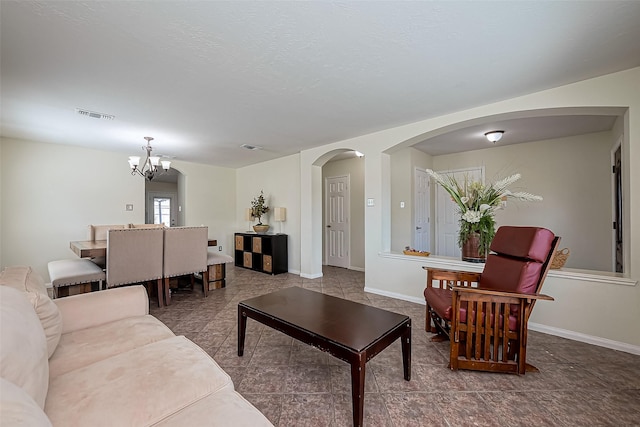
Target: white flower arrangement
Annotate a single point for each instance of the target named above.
(477, 204)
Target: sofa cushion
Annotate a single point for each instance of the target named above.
(139, 387)
(26, 280)
(17, 408)
(23, 346)
(83, 347)
(234, 411)
(96, 308)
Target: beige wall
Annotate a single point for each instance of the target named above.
(354, 168)
(402, 166)
(574, 177)
(51, 193)
(401, 276)
(279, 181)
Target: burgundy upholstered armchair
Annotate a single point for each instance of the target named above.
(485, 315)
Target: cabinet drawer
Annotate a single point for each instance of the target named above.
(239, 243)
(247, 261)
(267, 265)
(257, 245)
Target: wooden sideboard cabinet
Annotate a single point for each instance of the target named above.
(262, 252)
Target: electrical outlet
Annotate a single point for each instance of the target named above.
(220, 248)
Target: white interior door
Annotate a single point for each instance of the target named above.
(447, 217)
(337, 221)
(422, 226)
(161, 208)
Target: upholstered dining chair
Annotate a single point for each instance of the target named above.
(100, 232)
(185, 253)
(135, 256)
(485, 315)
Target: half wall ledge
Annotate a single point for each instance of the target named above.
(604, 277)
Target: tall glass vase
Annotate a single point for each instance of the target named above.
(471, 249)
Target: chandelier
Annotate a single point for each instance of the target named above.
(149, 167)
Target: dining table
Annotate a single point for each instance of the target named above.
(98, 248)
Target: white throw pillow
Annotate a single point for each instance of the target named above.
(23, 346)
(25, 279)
(17, 408)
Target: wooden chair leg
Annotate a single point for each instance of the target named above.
(427, 323)
(205, 282)
(160, 292)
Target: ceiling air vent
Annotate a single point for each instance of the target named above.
(95, 115)
(251, 147)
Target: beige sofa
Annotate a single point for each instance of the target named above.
(100, 359)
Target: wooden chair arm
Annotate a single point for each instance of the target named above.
(505, 294)
(451, 277)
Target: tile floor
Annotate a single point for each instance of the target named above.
(296, 385)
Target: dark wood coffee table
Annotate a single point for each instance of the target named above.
(345, 329)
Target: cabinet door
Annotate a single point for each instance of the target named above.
(247, 259)
(257, 245)
(267, 265)
(239, 243)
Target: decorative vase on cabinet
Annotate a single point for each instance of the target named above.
(261, 228)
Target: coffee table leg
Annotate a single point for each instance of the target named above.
(357, 389)
(242, 328)
(406, 351)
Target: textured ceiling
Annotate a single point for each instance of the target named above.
(203, 78)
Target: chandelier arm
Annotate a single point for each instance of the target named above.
(146, 169)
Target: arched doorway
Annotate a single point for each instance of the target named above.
(164, 200)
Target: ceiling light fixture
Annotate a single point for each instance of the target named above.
(149, 167)
(494, 135)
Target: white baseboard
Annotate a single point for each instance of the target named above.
(356, 268)
(589, 339)
(395, 295)
(564, 333)
(310, 276)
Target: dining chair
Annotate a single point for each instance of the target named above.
(217, 268)
(65, 273)
(185, 253)
(135, 256)
(99, 232)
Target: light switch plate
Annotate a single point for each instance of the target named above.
(369, 202)
(129, 207)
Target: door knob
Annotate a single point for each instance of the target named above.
(328, 226)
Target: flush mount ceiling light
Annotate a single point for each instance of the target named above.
(494, 135)
(149, 167)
